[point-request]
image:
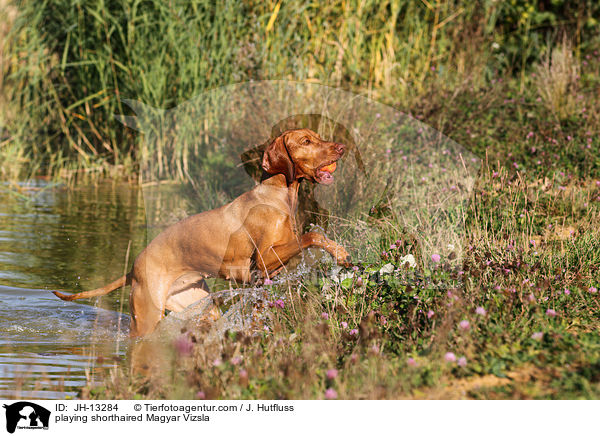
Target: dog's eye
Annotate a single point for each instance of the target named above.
(305, 141)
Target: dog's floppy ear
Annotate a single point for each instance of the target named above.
(276, 159)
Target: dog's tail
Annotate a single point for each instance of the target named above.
(120, 282)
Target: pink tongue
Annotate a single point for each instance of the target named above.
(325, 178)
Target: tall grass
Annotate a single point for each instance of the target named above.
(557, 80)
(71, 64)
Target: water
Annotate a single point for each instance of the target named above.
(76, 239)
(52, 238)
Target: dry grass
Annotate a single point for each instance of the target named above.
(557, 80)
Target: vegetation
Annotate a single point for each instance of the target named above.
(522, 323)
(514, 82)
(67, 66)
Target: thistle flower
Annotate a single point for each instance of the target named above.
(411, 362)
(481, 311)
(450, 357)
(430, 314)
(464, 324)
(331, 373)
(551, 312)
(280, 304)
(325, 316)
(268, 282)
(462, 361)
(436, 258)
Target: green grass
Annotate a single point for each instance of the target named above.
(518, 269)
(66, 67)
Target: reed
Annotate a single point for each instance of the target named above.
(68, 66)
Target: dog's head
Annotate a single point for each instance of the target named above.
(300, 154)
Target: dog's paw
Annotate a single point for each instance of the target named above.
(344, 259)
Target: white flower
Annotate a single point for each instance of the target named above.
(388, 268)
(495, 45)
(337, 277)
(450, 247)
(410, 259)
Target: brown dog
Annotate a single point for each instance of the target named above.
(256, 231)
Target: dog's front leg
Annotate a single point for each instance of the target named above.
(339, 253)
(275, 257)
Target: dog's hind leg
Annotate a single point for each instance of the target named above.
(144, 313)
(187, 290)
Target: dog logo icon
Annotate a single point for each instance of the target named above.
(26, 415)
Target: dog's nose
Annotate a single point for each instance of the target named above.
(340, 148)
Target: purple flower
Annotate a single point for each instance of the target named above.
(330, 394)
(359, 281)
(450, 357)
(354, 268)
(236, 360)
(481, 311)
(325, 315)
(430, 314)
(243, 374)
(435, 257)
(280, 304)
(201, 395)
(411, 362)
(567, 292)
(353, 332)
(592, 290)
(537, 336)
(332, 373)
(462, 361)
(268, 282)
(464, 324)
(344, 324)
(184, 345)
(551, 312)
